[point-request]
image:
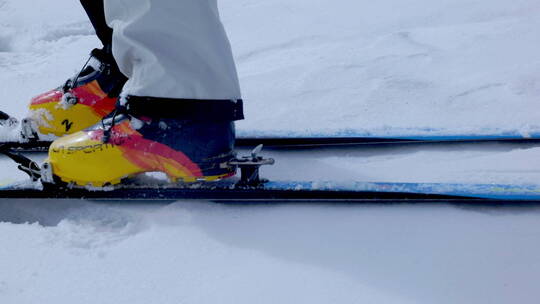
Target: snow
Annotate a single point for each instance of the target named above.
(388, 67)
(307, 67)
(200, 252)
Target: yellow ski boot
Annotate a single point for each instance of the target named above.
(186, 141)
(82, 102)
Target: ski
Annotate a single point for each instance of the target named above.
(344, 142)
(29, 141)
(251, 188)
(291, 191)
(277, 143)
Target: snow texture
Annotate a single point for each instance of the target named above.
(387, 67)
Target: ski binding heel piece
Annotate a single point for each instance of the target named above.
(249, 168)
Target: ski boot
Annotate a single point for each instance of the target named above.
(189, 141)
(80, 103)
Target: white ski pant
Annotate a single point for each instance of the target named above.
(172, 49)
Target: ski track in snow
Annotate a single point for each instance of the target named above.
(450, 66)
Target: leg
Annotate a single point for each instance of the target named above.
(181, 99)
(96, 13)
(172, 49)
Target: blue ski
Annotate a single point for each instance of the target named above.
(287, 191)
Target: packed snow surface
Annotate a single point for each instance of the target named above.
(385, 67)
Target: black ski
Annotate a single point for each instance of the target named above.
(344, 142)
(251, 188)
(299, 142)
(239, 195)
(277, 143)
